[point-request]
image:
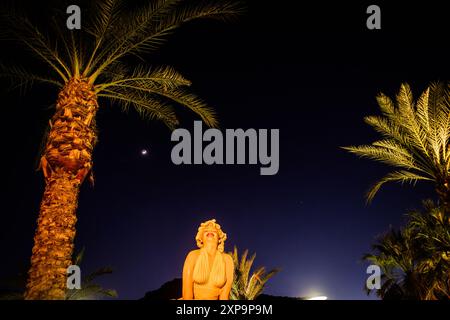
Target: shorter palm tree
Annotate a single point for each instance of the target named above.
(89, 289)
(397, 258)
(432, 230)
(415, 260)
(246, 287)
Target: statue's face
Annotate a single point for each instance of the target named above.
(210, 234)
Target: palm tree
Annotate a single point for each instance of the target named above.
(416, 259)
(246, 287)
(415, 139)
(86, 65)
(432, 231)
(395, 254)
(89, 289)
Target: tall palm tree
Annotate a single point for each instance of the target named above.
(416, 259)
(246, 287)
(415, 139)
(86, 65)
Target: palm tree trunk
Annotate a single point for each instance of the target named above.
(66, 161)
(53, 241)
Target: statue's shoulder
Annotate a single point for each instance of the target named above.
(227, 257)
(193, 254)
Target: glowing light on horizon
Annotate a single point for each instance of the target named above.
(318, 298)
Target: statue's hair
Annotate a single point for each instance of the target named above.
(222, 235)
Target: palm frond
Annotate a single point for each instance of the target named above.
(416, 136)
(114, 34)
(147, 29)
(407, 118)
(414, 258)
(248, 286)
(79, 257)
(392, 156)
(386, 128)
(163, 77)
(22, 78)
(386, 105)
(99, 272)
(107, 14)
(31, 37)
(402, 176)
(422, 112)
(159, 84)
(147, 107)
(90, 290)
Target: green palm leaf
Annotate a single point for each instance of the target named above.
(415, 138)
(247, 285)
(111, 31)
(415, 260)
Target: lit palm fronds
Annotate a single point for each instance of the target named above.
(89, 289)
(112, 32)
(246, 286)
(415, 138)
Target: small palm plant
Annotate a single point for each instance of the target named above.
(246, 287)
(89, 289)
(415, 139)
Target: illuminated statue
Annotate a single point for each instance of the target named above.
(208, 272)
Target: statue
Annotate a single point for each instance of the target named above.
(207, 271)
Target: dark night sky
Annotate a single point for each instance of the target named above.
(313, 72)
